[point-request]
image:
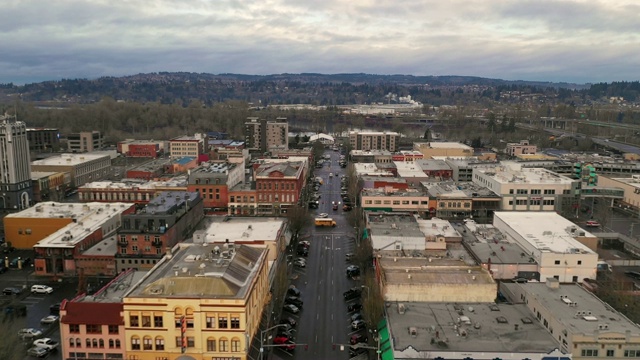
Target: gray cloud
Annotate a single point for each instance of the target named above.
(556, 40)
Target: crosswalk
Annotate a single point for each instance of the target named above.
(31, 300)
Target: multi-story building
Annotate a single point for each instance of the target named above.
(149, 170)
(15, 173)
(390, 199)
(213, 181)
(243, 199)
(83, 168)
(448, 149)
(521, 148)
(150, 232)
(141, 148)
(279, 186)
(583, 325)
(60, 231)
(85, 141)
(374, 140)
(50, 186)
(43, 139)
(198, 303)
(407, 155)
(129, 190)
(530, 189)
(630, 186)
(376, 182)
(265, 135)
(371, 156)
(94, 324)
(373, 170)
(187, 146)
(561, 249)
(460, 200)
(411, 172)
(435, 169)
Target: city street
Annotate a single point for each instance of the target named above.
(324, 320)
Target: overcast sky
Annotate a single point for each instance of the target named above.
(548, 40)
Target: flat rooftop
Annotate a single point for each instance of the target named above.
(186, 138)
(114, 291)
(446, 145)
(222, 228)
(393, 224)
(436, 273)
(383, 178)
(167, 200)
(130, 184)
(584, 301)
(489, 242)
(369, 133)
(106, 247)
(152, 165)
(432, 164)
(202, 271)
(370, 153)
(409, 169)
(370, 169)
(453, 189)
(69, 159)
(35, 175)
(395, 192)
(555, 236)
(437, 226)
(511, 172)
(633, 181)
(435, 321)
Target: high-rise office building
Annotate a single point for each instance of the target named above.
(266, 135)
(15, 171)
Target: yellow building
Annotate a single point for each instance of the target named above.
(448, 149)
(200, 302)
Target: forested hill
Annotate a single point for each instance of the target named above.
(321, 89)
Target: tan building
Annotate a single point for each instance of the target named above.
(374, 140)
(198, 303)
(630, 185)
(521, 148)
(50, 186)
(83, 168)
(447, 149)
(435, 280)
(266, 135)
(85, 141)
(585, 326)
(187, 146)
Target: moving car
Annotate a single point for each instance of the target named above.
(335, 206)
(592, 223)
(12, 291)
(29, 333)
(291, 308)
(323, 215)
(46, 343)
(49, 319)
(41, 289)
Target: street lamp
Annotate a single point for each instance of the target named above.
(368, 291)
(262, 338)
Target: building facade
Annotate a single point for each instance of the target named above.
(141, 148)
(85, 141)
(265, 135)
(213, 181)
(521, 148)
(43, 139)
(83, 168)
(187, 146)
(15, 173)
(128, 190)
(50, 186)
(279, 186)
(374, 140)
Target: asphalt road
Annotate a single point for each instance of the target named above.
(324, 320)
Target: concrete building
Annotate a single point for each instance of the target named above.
(436, 169)
(147, 234)
(521, 148)
(469, 330)
(371, 156)
(323, 138)
(15, 174)
(43, 139)
(390, 199)
(210, 308)
(59, 232)
(630, 186)
(95, 323)
(371, 170)
(530, 189)
(417, 279)
(187, 146)
(142, 148)
(129, 190)
(213, 181)
(149, 170)
(561, 249)
(411, 172)
(50, 186)
(374, 140)
(85, 141)
(261, 135)
(460, 200)
(83, 168)
(448, 149)
(583, 325)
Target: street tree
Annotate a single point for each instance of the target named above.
(11, 346)
(298, 219)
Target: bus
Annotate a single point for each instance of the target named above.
(325, 222)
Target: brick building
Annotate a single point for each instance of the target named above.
(278, 186)
(149, 170)
(213, 181)
(141, 148)
(129, 190)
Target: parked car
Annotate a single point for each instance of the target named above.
(46, 343)
(349, 256)
(354, 307)
(633, 274)
(280, 339)
(355, 351)
(353, 270)
(3, 269)
(358, 338)
(289, 321)
(352, 294)
(37, 351)
(54, 309)
(305, 243)
(29, 333)
(12, 291)
(356, 316)
(294, 300)
(288, 346)
(299, 262)
(303, 252)
(49, 319)
(357, 325)
(346, 207)
(293, 291)
(291, 308)
(592, 223)
(41, 289)
(313, 204)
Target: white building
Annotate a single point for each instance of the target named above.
(559, 247)
(530, 189)
(15, 172)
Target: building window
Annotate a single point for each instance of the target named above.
(113, 329)
(223, 345)
(94, 329)
(235, 345)
(117, 344)
(146, 321)
(159, 343)
(88, 343)
(590, 352)
(101, 343)
(74, 328)
(72, 342)
(210, 322)
(235, 323)
(557, 262)
(134, 248)
(78, 343)
(627, 353)
(191, 341)
(134, 321)
(579, 262)
(135, 343)
(222, 322)
(611, 353)
(111, 343)
(157, 321)
(146, 343)
(211, 344)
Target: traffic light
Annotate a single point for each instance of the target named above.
(306, 347)
(334, 346)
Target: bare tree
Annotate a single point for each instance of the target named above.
(11, 346)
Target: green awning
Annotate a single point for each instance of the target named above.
(385, 343)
